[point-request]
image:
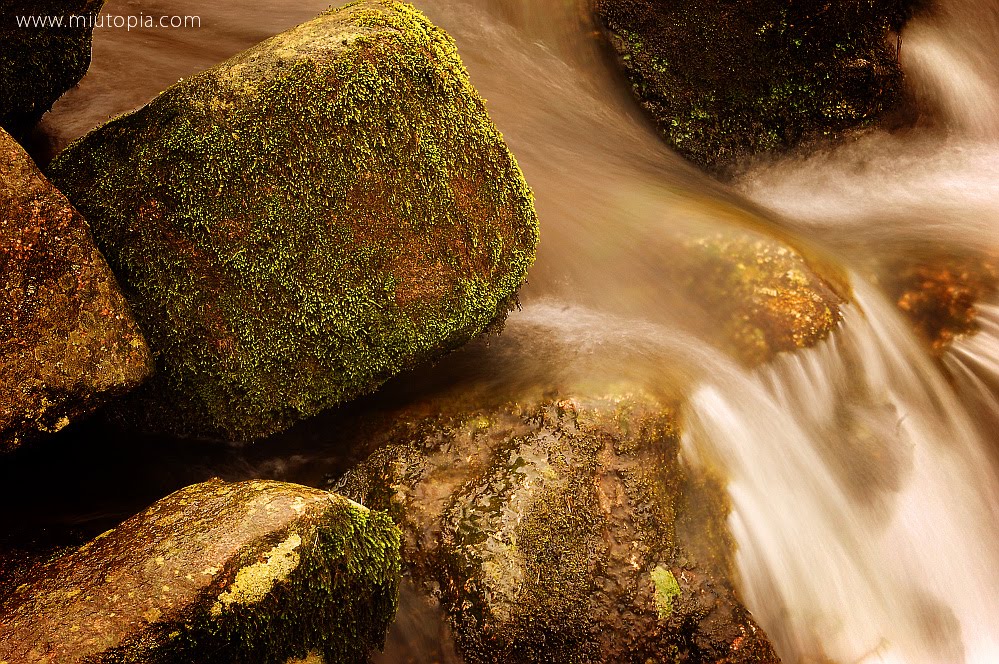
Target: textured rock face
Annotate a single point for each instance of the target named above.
(249, 572)
(725, 78)
(38, 64)
(307, 219)
(563, 530)
(67, 338)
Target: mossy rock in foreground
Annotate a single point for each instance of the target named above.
(68, 342)
(38, 64)
(729, 78)
(305, 220)
(252, 573)
(563, 530)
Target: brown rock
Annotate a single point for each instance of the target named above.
(216, 572)
(68, 342)
(562, 530)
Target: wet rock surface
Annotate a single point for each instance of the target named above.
(38, 64)
(305, 220)
(68, 342)
(723, 80)
(939, 292)
(766, 297)
(254, 571)
(562, 530)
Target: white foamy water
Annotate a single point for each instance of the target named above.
(863, 504)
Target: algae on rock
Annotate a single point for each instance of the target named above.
(549, 529)
(68, 342)
(728, 79)
(249, 573)
(305, 220)
(39, 63)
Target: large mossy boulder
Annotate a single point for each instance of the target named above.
(253, 573)
(38, 63)
(68, 342)
(305, 220)
(562, 530)
(727, 78)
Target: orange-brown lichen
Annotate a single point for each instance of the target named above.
(939, 293)
(68, 342)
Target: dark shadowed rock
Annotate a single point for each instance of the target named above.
(724, 79)
(38, 64)
(252, 572)
(307, 219)
(563, 530)
(68, 342)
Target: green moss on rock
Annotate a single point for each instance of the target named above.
(38, 64)
(68, 342)
(541, 525)
(307, 219)
(254, 573)
(724, 79)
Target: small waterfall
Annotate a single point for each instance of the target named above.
(864, 507)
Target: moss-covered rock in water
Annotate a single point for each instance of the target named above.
(727, 78)
(306, 219)
(40, 62)
(67, 338)
(252, 573)
(563, 530)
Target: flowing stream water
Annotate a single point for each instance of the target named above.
(861, 471)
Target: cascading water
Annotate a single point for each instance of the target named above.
(864, 500)
(863, 504)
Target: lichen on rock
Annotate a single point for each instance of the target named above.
(251, 572)
(547, 527)
(296, 225)
(68, 342)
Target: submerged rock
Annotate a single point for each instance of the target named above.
(38, 63)
(68, 342)
(251, 572)
(724, 80)
(307, 219)
(763, 296)
(563, 530)
(939, 292)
